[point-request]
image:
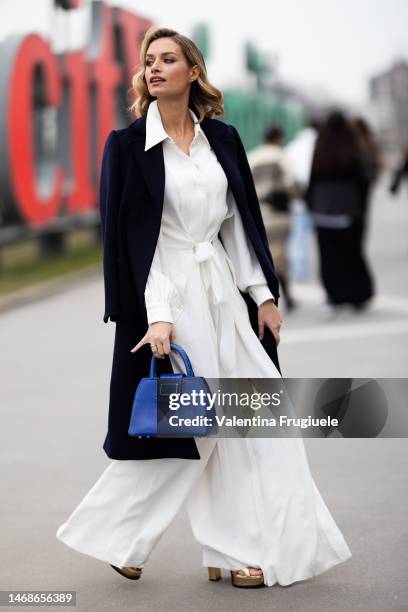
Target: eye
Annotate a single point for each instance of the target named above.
(168, 59)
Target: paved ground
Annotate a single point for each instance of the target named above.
(55, 366)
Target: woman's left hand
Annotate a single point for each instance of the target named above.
(269, 315)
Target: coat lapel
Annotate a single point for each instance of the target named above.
(151, 162)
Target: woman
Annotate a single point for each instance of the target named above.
(275, 186)
(252, 503)
(337, 197)
(299, 153)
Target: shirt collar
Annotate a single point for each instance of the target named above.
(155, 131)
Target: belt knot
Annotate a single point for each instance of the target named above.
(203, 251)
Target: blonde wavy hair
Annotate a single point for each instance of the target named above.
(205, 98)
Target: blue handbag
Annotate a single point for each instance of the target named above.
(152, 415)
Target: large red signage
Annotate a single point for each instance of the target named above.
(86, 89)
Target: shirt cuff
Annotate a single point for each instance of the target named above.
(159, 311)
(260, 293)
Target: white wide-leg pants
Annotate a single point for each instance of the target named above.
(250, 502)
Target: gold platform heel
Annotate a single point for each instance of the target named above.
(214, 573)
(248, 580)
(133, 573)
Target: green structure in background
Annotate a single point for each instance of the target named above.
(253, 113)
(201, 37)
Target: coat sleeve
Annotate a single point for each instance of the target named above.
(109, 199)
(249, 274)
(163, 302)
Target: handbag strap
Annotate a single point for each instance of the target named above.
(182, 353)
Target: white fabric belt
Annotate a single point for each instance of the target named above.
(212, 275)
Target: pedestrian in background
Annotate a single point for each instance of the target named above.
(275, 185)
(337, 197)
(299, 153)
(400, 173)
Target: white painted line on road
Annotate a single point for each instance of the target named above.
(392, 302)
(314, 294)
(309, 293)
(341, 332)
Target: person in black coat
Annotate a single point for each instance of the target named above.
(131, 201)
(337, 196)
(240, 489)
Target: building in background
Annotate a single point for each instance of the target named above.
(389, 106)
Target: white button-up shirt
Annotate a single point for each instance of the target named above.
(198, 203)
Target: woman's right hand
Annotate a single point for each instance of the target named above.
(159, 335)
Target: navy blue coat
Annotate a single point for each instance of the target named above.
(131, 202)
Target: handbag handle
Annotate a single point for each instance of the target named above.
(182, 353)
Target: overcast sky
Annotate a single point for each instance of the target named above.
(335, 45)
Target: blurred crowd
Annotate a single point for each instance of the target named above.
(320, 185)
